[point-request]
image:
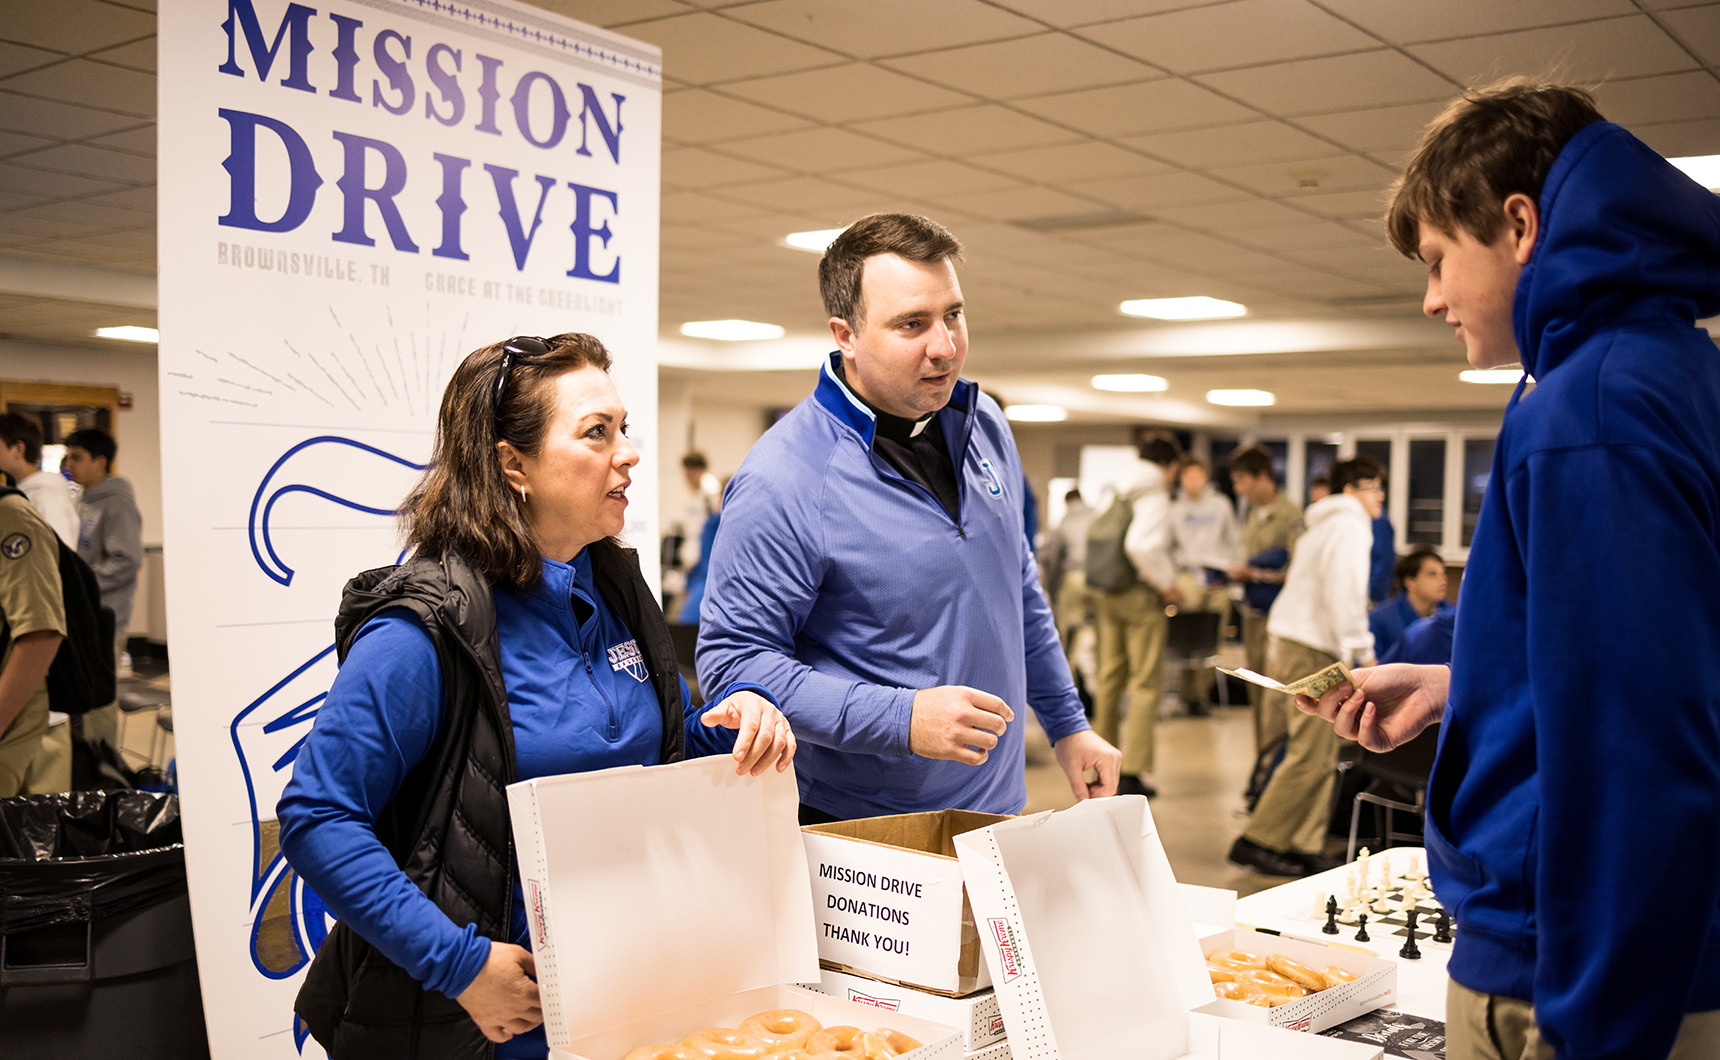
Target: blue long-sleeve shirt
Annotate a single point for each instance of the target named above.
(579, 699)
(1571, 813)
(845, 588)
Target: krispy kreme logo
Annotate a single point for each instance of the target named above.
(884, 1003)
(534, 902)
(1008, 956)
(1300, 1025)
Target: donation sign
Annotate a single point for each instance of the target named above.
(353, 196)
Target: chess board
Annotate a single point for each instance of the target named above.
(1396, 924)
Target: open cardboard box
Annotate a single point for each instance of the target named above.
(890, 902)
(1092, 951)
(976, 1016)
(666, 899)
(1375, 987)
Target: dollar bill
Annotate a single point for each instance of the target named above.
(1313, 686)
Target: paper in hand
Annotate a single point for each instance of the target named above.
(1313, 686)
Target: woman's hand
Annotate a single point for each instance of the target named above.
(503, 1000)
(764, 735)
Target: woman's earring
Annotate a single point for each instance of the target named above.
(522, 495)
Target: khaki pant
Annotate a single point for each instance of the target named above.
(51, 772)
(21, 744)
(1296, 808)
(102, 723)
(1198, 596)
(1269, 724)
(1132, 654)
(1490, 1027)
(1073, 610)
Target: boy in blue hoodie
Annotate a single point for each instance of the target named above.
(1571, 813)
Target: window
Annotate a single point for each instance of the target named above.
(1379, 450)
(1477, 467)
(1426, 492)
(1319, 460)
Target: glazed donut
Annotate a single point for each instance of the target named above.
(663, 1052)
(884, 1043)
(1221, 974)
(782, 1028)
(1246, 992)
(724, 1043)
(1297, 972)
(1262, 977)
(841, 1041)
(791, 1054)
(1335, 974)
(1277, 994)
(1236, 959)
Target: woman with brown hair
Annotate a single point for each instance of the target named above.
(519, 641)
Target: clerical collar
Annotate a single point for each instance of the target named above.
(896, 428)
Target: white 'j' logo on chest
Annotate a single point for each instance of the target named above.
(625, 658)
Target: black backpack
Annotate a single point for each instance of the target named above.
(81, 677)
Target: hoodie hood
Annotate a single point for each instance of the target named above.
(1333, 505)
(1624, 236)
(110, 488)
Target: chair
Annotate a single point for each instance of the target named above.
(1406, 767)
(1191, 643)
(137, 703)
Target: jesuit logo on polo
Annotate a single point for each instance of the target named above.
(992, 485)
(626, 657)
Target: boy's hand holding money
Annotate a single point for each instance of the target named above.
(1387, 707)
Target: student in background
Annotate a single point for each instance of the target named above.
(1063, 571)
(1419, 579)
(1270, 530)
(1205, 548)
(48, 491)
(110, 540)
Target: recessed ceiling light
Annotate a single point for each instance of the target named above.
(1241, 397)
(1703, 169)
(1131, 383)
(731, 330)
(1036, 413)
(1198, 307)
(813, 242)
(129, 332)
(1491, 375)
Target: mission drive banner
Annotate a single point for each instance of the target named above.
(354, 195)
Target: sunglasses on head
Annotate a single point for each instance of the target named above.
(521, 349)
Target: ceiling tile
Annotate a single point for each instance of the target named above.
(1021, 205)
(693, 167)
(1148, 107)
(88, 161)
(1083, 161)
(1378, 130)
(140, 200)
(703, 48)
(1335, 83)
(20, 223)
(802, 193)
(886, 27)
(35, 182)
(84, 212)
(58, 121)
(72, 26)
(1362, 205)
(1235, 218)
(1032, 66)
(1315, 236)
(854, 92)
(1590, 51)
(937, 180)
(691, 207)
(613, 12)
(1403, 23)
(819, 150)
(1241, 33)
(1294, 179)
(138, 55)
(93, 84)
(968, 129)
(1653, 100)
(1699, 28)
(1679, 139)
(12, 143)
(1232, 145)
(696, 116)
(1159, 190)
(16, 58)
(137, 141)
(1083, 12)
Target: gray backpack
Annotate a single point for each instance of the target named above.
(1108, 566)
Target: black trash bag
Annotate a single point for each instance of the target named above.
(87, 855)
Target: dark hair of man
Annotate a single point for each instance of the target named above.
(1252, 461)
(15, 428)
(1409, 566)
(1194, 461)
(1489, 144)
(913, 238)
(1160, 449)
(1349, 472)
(1072, 496)
(96, 442)
(695, 460)
(463, 503)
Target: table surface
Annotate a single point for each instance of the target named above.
(1287, 908)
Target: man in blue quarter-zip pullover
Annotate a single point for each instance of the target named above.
(872, 560)
(1571, 811)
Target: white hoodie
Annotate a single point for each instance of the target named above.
(1148, 542)
(1325, 599)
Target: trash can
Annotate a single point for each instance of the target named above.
(96, 956)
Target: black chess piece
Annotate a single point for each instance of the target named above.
(1410, 951)
(1442, 927)
(1331, 927)
(1362, 931)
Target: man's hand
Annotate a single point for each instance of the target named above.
(1242, 574)
(957, 723)
(1080, 752)
(1391, 706)
(502, 1000)
(1173, 596)
(764, 737)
